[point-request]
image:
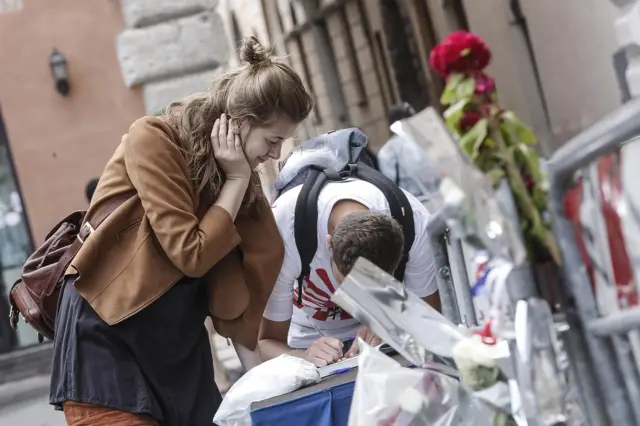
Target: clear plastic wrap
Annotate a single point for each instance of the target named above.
(397, 316)
(462, 189)
(413, 328)
(523, 377)
(488, 219)
(387, 394)
(539, 362)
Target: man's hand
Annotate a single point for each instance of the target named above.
(365, 334)
(324, 351)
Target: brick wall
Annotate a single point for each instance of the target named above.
(371, 118)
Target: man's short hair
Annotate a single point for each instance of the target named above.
(400, 112)
(375, 236)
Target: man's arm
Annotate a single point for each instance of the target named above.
(272, 340)
(388, 162)
(276, 321)
(420, 275)
(433, 300)
(274, 328)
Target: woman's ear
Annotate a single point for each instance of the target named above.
(235, 126)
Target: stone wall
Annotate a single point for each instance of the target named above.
(372, 116)
(369, 116)
(170, 48)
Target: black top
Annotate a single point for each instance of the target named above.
(157, 362)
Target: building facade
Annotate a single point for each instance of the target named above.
(553, 61)
(135, 59)
(356, 63)
(53, 143)
(556, 63)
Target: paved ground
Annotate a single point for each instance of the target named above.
(227, 354)
(35, 412)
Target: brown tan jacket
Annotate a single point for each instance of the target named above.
(155, 238)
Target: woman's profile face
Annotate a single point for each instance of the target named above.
(264, 142)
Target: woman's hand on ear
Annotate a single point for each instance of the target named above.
(227, 148)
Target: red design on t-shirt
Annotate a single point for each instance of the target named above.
(318, 300)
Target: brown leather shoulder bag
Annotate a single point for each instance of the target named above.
(35, 295)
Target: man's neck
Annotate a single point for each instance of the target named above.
(341, 209)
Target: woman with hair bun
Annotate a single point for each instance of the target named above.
(195, 239)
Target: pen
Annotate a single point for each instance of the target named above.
(313, 324)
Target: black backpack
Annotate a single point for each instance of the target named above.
(347, 158)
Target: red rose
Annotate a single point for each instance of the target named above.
(460, 51)
(468, 120)
(485, 84)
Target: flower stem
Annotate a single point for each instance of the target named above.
(525, 201)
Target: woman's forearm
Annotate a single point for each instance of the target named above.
(232, 194)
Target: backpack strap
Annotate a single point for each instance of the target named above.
(399, 206)
(306, 222)
(88, 226)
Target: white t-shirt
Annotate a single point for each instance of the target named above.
(317, 311)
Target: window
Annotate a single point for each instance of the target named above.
(10, 5)
(15, 238)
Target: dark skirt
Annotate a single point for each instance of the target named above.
(157, 362)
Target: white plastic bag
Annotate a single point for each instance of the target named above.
(273, 378)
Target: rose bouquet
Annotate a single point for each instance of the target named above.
(495, 139)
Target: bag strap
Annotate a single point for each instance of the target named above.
(85, 230)
(399, 206)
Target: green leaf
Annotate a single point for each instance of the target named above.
(449, 94)
(495, 175)
(454, 113)
(520, 131)
(466, 88)
(471, 141)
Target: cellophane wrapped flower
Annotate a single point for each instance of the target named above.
(497, 141)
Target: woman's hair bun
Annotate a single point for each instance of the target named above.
(252, 52)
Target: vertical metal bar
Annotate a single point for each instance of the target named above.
(443, 278)
(630, 377)
(461, 283)
(584, 383)
(579, 289)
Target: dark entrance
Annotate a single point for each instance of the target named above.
(403, 53)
